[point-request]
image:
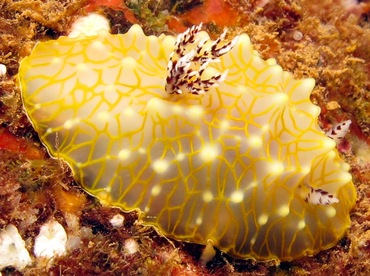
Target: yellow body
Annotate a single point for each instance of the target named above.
(231, 166)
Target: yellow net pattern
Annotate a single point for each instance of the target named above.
(231, 166)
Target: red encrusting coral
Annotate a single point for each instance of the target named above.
(19, 145)
(118, 5)
(217, 12)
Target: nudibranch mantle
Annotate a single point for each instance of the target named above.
(244, 165)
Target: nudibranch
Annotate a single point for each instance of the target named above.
(208, 140)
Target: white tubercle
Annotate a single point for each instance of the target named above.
(89, 25)
(208, 253)
(12, 249)
(51, 240)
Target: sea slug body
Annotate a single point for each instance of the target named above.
(208, 140)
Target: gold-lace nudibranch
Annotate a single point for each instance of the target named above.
(212, 143)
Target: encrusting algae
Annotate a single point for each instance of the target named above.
(211, 142)
(332, 49)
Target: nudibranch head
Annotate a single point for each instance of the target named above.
(208, 140)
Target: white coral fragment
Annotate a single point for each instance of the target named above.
(12, 249)
(190, 59)
(131, 246)
(117, 220)
(339, 131)
(89, 25)
(51, 240)
(2, 70)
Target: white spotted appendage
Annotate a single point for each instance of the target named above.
(320, 197)
(339, 131)
(189, 60)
